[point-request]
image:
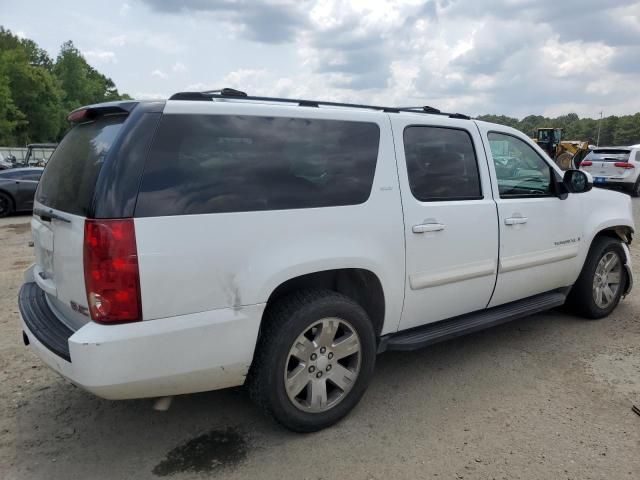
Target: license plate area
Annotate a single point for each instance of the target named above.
(599, 180)
(43, 244)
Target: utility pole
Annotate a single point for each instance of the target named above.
(599, 122)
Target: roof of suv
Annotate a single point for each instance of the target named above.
(229, 94)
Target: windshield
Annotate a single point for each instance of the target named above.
(69, 180)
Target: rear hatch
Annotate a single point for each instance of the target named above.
(608, 164)
(63, 200)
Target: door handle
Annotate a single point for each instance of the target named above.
(515, 220)
(427, 227)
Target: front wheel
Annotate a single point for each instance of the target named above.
(6, 205)
(601, 283)
(314, 359)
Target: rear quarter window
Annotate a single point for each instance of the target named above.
(222, 163)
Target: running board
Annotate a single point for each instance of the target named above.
(454, 327)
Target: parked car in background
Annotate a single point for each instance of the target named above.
(616, 167)
(17, 189)
(305, 237)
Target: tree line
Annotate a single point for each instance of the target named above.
(37, 93)
(614, 130)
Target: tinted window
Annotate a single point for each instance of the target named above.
(69, 180)
(610, 155)
(611, 151)
(441, 164)
(219, 163)
(520, 170)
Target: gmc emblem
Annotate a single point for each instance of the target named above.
(79, 308)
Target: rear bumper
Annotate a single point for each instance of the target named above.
(169, 356)
(614, 182)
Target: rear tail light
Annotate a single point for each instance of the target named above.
(625, 165)
(111, 274)
(586, 163)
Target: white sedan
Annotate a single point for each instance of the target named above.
(614, 167)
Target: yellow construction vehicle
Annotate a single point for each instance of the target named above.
(566, 153)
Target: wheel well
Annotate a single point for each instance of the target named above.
(362, 286)
(621, 232)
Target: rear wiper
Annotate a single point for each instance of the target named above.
(47, 216)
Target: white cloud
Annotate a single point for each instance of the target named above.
(118, 40)
(150, 96)
(100, 56)
(179, 67)
(513, 57)
(159, 74)
(165, 43)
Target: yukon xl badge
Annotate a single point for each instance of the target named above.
(566, 242)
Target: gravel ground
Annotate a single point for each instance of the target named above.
(547, 397)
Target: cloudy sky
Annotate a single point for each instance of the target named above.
(514, 57)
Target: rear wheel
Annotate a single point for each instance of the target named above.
(635, 190)
(602, 280)
(314, 359)
(6, 205)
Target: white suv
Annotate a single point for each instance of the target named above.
(615, 167)
(218, 239)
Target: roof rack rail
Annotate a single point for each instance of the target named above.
(233, 93)
(425, 109)
(227, 92)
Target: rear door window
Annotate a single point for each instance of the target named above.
(441, 164)
(222, 163)
(68, 182)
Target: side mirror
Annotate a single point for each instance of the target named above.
(577, 181)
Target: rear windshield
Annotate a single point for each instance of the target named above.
(68, 182)
(610, 154)
(223, 163)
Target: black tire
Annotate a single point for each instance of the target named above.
(283, 323)
(581, 299)
(6, 205)
(635, 190)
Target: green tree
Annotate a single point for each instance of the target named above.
(81, 83)
(11, 118)
(37, 93)
(33, 103)
(624, 130)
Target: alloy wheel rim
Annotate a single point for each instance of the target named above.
(606, 281)
(323, 365)
(4, 204)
